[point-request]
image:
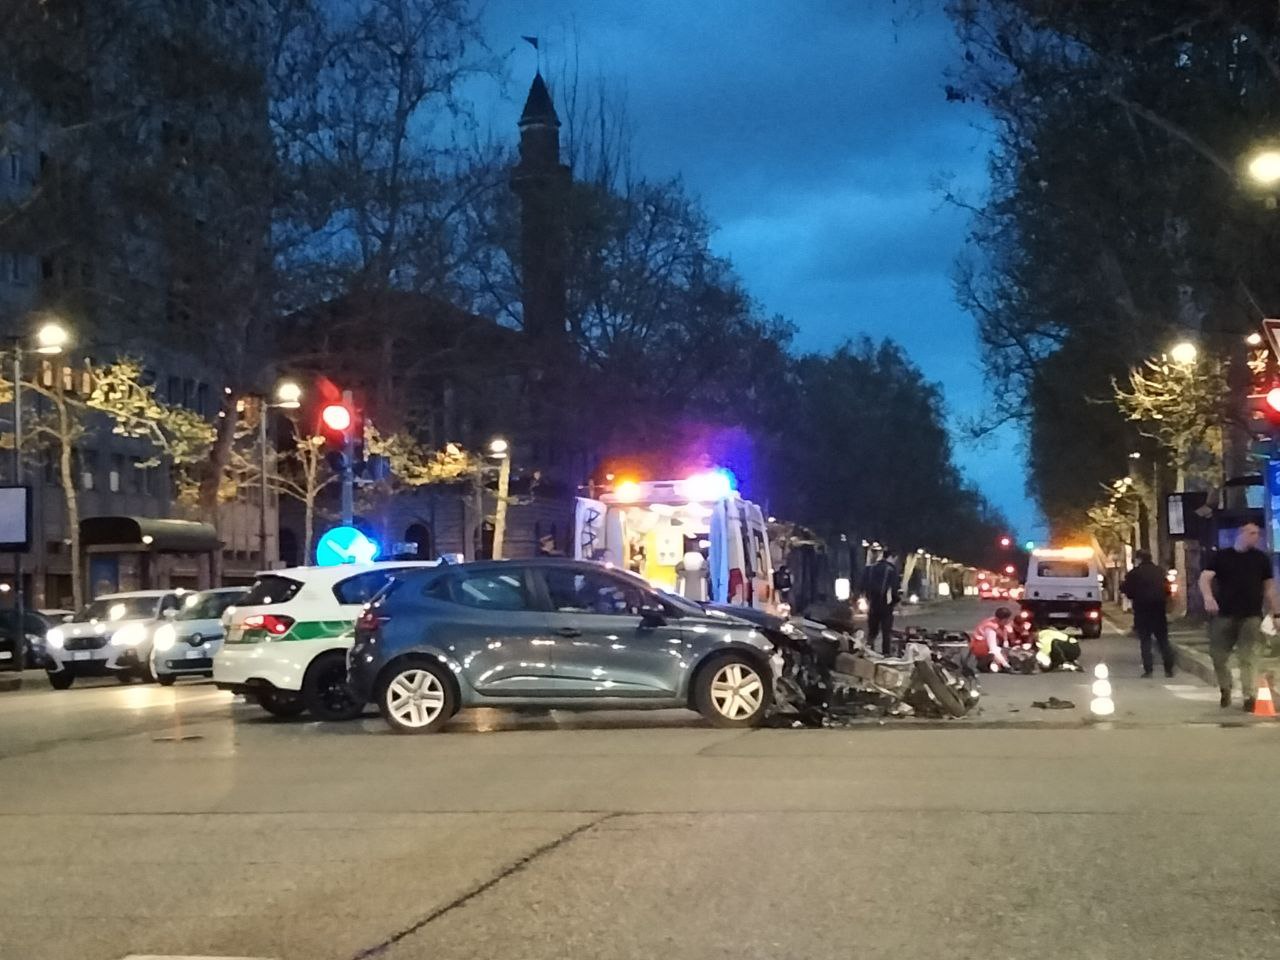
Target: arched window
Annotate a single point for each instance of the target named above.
(420, 534)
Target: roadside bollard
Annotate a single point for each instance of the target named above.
(1102, 705)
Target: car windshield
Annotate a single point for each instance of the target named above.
(119, 608)
(1063, 569)
(684, 604)
(207, 606)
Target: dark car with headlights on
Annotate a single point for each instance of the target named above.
(555, 633)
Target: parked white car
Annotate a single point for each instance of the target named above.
(111, 636)
(186, 645)
(287, 639)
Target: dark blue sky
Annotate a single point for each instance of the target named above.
(818, 138)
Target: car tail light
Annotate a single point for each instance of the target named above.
(737, 585)
(369, 619)
(1093, 614)
(1025, 614)
(275, 625)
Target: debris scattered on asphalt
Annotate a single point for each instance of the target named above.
(1053, 703)
(831, 678)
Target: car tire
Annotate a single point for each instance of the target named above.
(61, 680)
(281, 704)
(733, 691)
(416, 695)
(1091, 631)
(165, 679)
(325, 690)
(125, 676)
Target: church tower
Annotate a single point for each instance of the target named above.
(541, 182)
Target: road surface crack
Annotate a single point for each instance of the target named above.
(508, 871)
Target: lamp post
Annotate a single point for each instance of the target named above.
(500, 450)
(288, 397)
(1184, 353)
(50, 339)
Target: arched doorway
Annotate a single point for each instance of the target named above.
(420, 535)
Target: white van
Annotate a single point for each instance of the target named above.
(652, 527)
(1063, 589)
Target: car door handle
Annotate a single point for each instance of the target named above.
(569, 632)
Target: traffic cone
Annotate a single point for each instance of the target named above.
(1263, 704)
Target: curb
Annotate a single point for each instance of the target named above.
(10, 681)
(1194, 662)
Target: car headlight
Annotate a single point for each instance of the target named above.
(166, 637)
(55, 638)
(130, 635)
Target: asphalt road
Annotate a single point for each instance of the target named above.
(149, 821)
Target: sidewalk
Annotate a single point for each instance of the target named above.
(1190, 641)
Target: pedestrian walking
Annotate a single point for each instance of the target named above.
(882, 589)
(1146, 587)
(1234, 584)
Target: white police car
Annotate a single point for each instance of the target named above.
(287, 639)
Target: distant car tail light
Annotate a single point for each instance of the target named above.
(1094, 614)
(275, 625)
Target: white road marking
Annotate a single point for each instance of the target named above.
(183, 956)
(1187, 692)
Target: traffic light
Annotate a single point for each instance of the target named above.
(338, 426)
(1264, 411)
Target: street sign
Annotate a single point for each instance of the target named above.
(1271, 327)
(344, 545)
(1273, 477)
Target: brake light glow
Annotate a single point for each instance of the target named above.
(1093, 614)
(275, 625)
(369, 620)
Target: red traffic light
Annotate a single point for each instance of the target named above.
(336, 417)
(1273, 399)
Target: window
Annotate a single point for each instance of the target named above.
(270, 589)
(586, 591)
(189, 394)
(503, 590)
(117, 468)
(15, 167)
(68, 379)
(88, 467)
(361, 588)
(174, 394)
(15, 268)
(133, 483)
(46, 372)
(1063, 569)
(202, 400)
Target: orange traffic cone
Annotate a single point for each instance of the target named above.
(1263, 704)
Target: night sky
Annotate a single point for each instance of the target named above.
(818, 138)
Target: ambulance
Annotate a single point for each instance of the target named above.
(696, 537)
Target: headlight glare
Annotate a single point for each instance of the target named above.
(130, 635)
(55, 638)
(166, 637)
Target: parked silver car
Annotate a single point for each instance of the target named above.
(187, 644)
(554, 633)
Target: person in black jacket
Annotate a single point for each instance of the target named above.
(1145, 585)
(881, 587)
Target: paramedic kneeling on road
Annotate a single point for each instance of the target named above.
(988, 639)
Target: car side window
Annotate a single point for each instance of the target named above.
(361, 587)
(499, 590)
(169, 602)
(586, 591)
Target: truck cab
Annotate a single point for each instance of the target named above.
(1063, 589)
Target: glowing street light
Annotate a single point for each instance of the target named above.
(1264, 168)
(1254, 339)
(1184, 353)
(52, 338)
(288, 395)
(498, 448)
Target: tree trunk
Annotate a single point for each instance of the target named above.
(72, 498)
(309, 524)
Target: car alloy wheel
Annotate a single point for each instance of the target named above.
(737, 692)
(415, 698)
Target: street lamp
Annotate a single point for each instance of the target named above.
(50, 339)
(1254, 339)
(1184, 353)
(288, 397)
(499, 449)
(1263, 167)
